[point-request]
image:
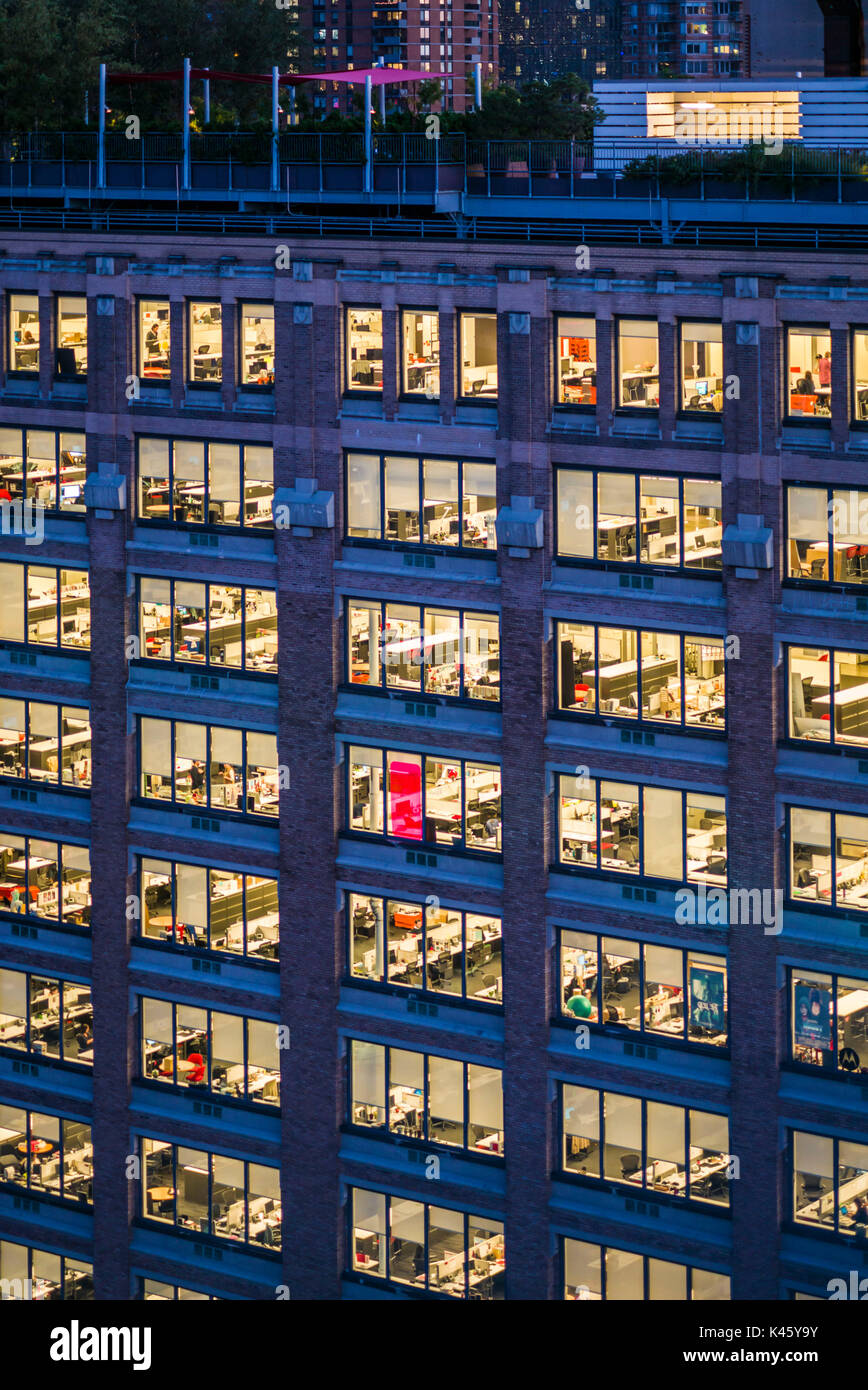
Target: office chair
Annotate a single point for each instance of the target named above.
(630, 1164)
(628, 850)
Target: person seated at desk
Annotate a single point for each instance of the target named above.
(579, 1005)
(856, 1211)
(805, 385)
(84, 1036)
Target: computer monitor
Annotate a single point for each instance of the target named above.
(70, 492)
(702, 388)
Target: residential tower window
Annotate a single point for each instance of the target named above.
(42, 742)
(638, 370)
(216, 909)
(420, 335)
(659, 677)
(45, 878)
(809, 371)
(195, 1189)
(828, 1017)
(647, 1144)
(223, 625)
(598, 1272)
(478, 333)
(24, 334)
(437, 502)
(205, 341)
(576, 360)
(828, 690)
(364, 350)
(440, 651)
(660, 990)
(191, 482)
(256, 358)
(829, 857)
(45, 465)
(44, 605)
(439, 949)
(154, 340)
(659, 832)
(702, 367)
(442, 801)
(47, 1154)
(71, 351)
(225, 1054)
(209, 765)
(630, 518)
(425, 1097)
(830, 1183)
(427, 1247)
(46, 1017)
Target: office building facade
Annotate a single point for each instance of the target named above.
(538, 41)
(434, 814)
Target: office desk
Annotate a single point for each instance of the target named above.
(824, 1206)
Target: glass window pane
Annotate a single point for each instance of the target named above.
(639, 382)
(479, 356)
(154, 340)
(364, 350)
(576, 361)
(257, 345)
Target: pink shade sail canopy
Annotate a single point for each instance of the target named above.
(380, 77)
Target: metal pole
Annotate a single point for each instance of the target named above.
(381, 63)
(207, 90)
(292, 106)
(477, 82)
(369, 151)
(100, 157)
(186, 178)
(87, 108)
(275, 114)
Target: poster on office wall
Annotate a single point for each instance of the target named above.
(812, 1013)
(707, 988)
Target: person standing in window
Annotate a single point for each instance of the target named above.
(824, 369)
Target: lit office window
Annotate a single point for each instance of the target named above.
(426, 1247)
(205, 341)
(227, 1054)
(828, 695)
(441, 801)
(46, 879)
(660, 677)
(823, 525)
(420, 1096)
(154, 339)
(46, 1016)
(702, 367)
(624, 828)
(45, 465)
(638, 369)
(223, 625)
(439, 949)
(209, 765)
(438, 502)
(29, 1274)
(662, 990)
(478, 334)
(46, 1154)
(576, 360)
(630, 518)
(830, 1183)
(214, 909)
(24, 333)
(210, 1193)
(828, 1018)
(256, 357)
(154, 1290)
(594, 1273)
(441, 651)
(809, 371)
(191, 482)
(420, 336)
(44, 605)
(41, 742)
(860, 374)
(829, 857)
(658, 1147)
(70, 358)
(364, 350)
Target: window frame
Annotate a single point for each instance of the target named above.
(82, 788)
(58, 645)
(30, 373)
(856, 421)
(216, 384)
(419, 547)
(422, 845)
(832, 743)
(203, 527)
(639, 411)
(59, 983)
(812, 422)
(846, 910)
(206, 1087)
(176, 661)
(403, 393)
(151, 383)
(474, 400)
(682, 410)
(574, 406)
(25, 1184)
(156, 1223)
(356, 392)
(202, 807)
(76, 376)
(816, 1228)
(171, 941)
(833, 1071)
(260, 388)
(420, 693)
(60, 845)
(78, 512)
(604, 1249)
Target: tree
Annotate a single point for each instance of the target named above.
(31, 44)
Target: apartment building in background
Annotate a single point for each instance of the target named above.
(433, 750)
(538, 41)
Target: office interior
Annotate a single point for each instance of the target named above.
(364, 350)
(702, 367)
(155, 1290)
(71, 351)
(257, 345)
(45, 878)
(209, 765)
(829, 857)
(433, 948)
(445, 502)
(632, 673)
(421, 1096)
(420, 370)
(154, 340)
(630, 518)
(215, 624)
(44, 605)
(860, 374)
(829, 1021)
(440, 651)
(638, 364)
(192, 482)
(576, 360)
(428, 1247)
(826, 531)
(24, 333)
(830, 1183)
(662, 990)
(828, 692)
(478, 335)
(47, 466)
(646, 1143)
(41, 742)
(46, 1154)
(217, 909)
(195, 1189)
(625, 828)
(809, 371)
(45, 1016)
(227, 1054)
(29, 1274)
(205, 342)
(593, 1273)
(446, 802)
